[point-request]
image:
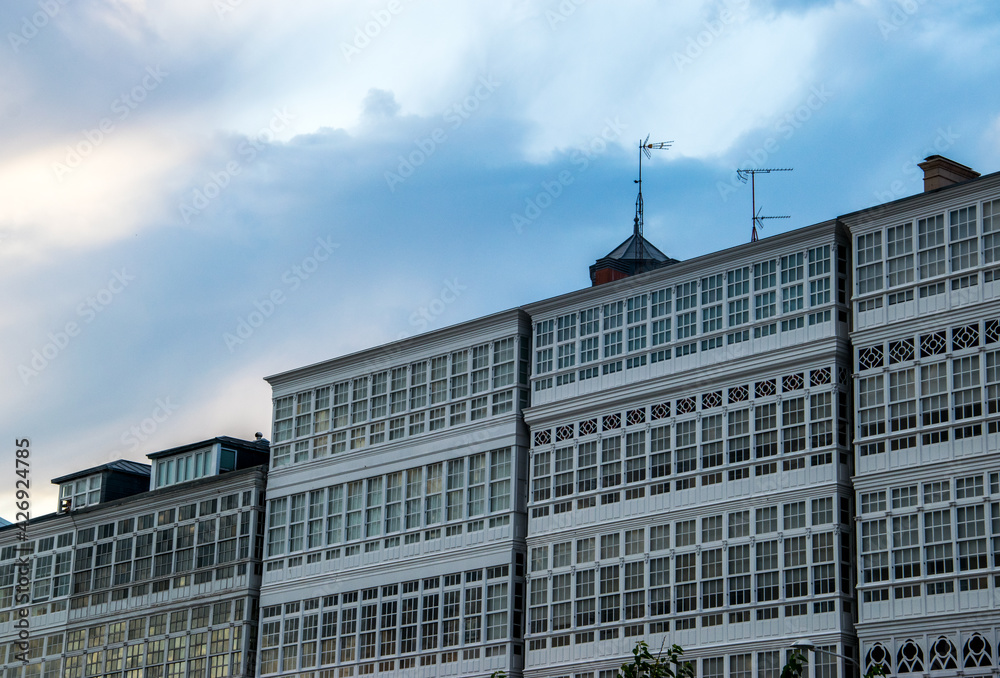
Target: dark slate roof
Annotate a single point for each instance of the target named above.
(637, 247)
(635, 255)
(261, 445)
(121, 466)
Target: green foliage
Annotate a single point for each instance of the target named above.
(795, 666)
(875, 670)
(498, 674)
(667, 664)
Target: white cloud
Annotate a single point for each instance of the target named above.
(115, 189)
(704, 78)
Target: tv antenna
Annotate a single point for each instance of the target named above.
(644, 149)
(757, 218)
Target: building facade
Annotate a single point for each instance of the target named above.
(756, 447)
(124, 582)
(926, 340)
(396, 521)
(690, 463)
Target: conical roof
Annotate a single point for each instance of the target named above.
(637, 248)
(635, 255)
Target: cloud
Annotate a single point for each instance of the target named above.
(74, 194)
(379, 104)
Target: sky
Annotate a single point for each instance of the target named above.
(197, 194)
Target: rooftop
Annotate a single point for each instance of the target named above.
(121, 466)
(262, 443)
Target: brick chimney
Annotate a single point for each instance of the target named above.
(939, 172)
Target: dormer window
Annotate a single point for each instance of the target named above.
(227, 461)
(183, 468)
(80, 493)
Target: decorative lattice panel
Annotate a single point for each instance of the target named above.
(660, 411)
(765, 388)
(612, 421)
(991, 332)
(686, 405)
(635, 416)
(792, 382)
(819, 377)
(878, 655)
(543, 437)
(869, 358)
(738, 394)
(965, 337)
(564, 433)
(943, 654)
(977, 652)
(900, 351)
(713, 399)
(588, 427)
(935, 343)
(910, 658)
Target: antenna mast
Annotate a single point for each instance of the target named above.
(644, 148)
(757, 218)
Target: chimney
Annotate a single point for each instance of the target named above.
(939, 172)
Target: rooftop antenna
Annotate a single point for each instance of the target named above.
(757, 218)
(644, 149)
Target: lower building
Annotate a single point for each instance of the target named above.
(150, 583)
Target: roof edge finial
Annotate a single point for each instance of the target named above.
(644, 148)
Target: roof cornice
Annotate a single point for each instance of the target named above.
(737, 255)
(223, 440)
(919, 201)
(118, 466)
(386, 355)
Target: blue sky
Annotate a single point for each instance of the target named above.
(338, 175)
